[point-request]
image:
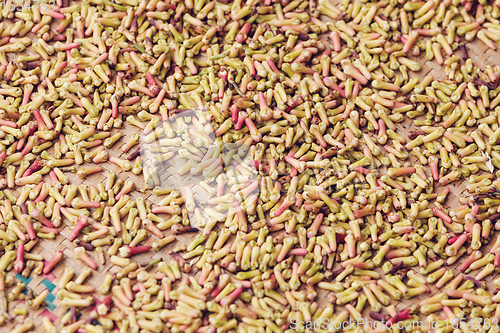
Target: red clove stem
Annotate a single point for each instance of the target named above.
(80, 224)
(19, 264)
(231, 297)
(442, 215)
(129, 251)
(403, 315)
(35, 166)
(53, 262)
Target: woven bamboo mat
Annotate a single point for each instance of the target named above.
(478, 52)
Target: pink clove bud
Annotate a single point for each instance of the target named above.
(54, 180)
(35, 166)
(19, 264)
(496, 262)
(403, 315)
(453, 239)
(234, 113)
(82, 223)
(241, 118)
(105, 306)
(127, 187)
(79, 203)
(433, 163)
(53, 262)
(129, 251)
(223, 281)
(39, 120)
(298, 252)
(475, 210)
(82, 255)
(3, 155)
(231, 297)
(442, 215)
(37, 215)
(28, 226)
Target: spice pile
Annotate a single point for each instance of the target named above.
(288, 114)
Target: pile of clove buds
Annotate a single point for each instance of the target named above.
(316, 168)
